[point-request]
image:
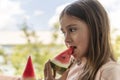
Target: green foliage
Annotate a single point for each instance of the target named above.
(3, 55)
(40, 55)
(116, 47)
(1, 51)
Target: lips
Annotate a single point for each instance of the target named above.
(74, 47)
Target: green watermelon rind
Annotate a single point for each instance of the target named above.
(58, 63)
(60, 70)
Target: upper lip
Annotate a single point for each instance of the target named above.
(71, 46)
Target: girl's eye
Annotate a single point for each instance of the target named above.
(72, 30)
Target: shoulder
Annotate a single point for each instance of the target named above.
(110, 71)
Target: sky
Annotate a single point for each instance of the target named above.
(41, 14)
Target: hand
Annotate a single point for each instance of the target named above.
(65, 74)
(48, 71)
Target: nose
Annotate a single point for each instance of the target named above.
(68, 40)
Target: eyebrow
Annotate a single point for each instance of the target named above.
(68, 26)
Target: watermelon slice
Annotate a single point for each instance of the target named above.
(29, 73)
(61, 62)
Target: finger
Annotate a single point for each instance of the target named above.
(45, 71)
(65, 74)
(49, 68)
(51, 72)
(48, 71)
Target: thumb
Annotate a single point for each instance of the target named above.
(64, 76)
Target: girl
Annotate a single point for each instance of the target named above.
(85, 25)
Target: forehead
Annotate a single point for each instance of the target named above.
(67, 20)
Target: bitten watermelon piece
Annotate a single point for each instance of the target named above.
(29, 73)
(61, 62)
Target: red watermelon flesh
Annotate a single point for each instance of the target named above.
(29, 70)
(64, 57)
(62, 60)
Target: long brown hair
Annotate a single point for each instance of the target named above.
(99, 50)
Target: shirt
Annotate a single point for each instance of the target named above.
(108, 71)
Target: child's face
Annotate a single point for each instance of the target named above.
(76, 34)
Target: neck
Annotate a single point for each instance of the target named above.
(81, 61)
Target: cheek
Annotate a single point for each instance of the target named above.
(82, 42)
(81, 39)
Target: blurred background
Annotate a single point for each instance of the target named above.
(31, 27)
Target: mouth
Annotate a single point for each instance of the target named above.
(74, 47)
